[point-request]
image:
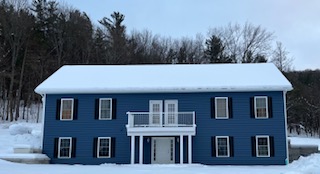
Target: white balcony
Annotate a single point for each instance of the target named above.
(161, 123)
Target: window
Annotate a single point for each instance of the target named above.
(221, 105)
(222, 146)
(261, 107)
(66, 109)
(65, 144)
(105, 109)
(262, 146)
(104, 147)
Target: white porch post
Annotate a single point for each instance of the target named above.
(189, 149)
(181, 149)
(132, 148)
(141, 149)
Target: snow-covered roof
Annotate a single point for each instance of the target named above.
(164, 78)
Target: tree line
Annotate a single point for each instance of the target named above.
(38, 38)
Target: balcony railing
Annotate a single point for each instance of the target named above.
(161, 119)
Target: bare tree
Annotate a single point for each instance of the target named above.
(280, 58)
(244, 44)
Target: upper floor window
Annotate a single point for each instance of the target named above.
(221, 107)
(105, 108)
(261, 107)
(66, 109)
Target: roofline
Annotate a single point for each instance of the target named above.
(161, 90)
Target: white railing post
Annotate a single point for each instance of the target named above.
(194, 118)
(130, 119)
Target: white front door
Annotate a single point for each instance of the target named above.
(171, 110)
(162, 150)
(155, 110)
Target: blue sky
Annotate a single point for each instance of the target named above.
(296, 23)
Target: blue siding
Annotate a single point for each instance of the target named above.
(241, 127)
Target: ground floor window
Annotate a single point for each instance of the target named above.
(222, 146)
(104, 147)
(263, 146)
(65, 145)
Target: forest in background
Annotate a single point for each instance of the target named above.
(37, 39)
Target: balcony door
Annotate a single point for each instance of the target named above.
(155, 111)
(171, 112)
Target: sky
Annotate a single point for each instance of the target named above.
(295, 23)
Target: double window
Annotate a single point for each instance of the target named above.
(221, 107)
(222, 146)
(64, 147)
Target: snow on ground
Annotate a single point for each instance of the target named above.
(12, 134)
(29, 134)
(305, 141)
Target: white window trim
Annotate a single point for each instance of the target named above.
(110, 99)
(228, 146)
(98, 147)
(70, 147)
(255, 107)
(61, 108)
(257, 148)
(216, 110)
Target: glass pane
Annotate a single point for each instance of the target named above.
(221, 107)
(64, 147)
(261, 107)
(263, 146)
(104, 148)
(105, 109)
(66, 109)
(222, 147)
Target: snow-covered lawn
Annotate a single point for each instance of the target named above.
(29, 134)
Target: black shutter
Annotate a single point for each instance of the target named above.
(271, 141)
(56, 147)
(231, 146)
(213, 147)
(270, 107)
(95, 147)
(75, 109)
(212, 101)
(252, 107)
(73, 148)
(96, 109)
(58, 109)
(230, 107)
(253, 146)
(114, 108)
(113, 147)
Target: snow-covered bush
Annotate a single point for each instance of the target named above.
(19, 128)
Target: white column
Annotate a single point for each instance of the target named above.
(181, 149)
(189, 149)
(141, 149)
(132, 148)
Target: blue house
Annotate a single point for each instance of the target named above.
(232, 114)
